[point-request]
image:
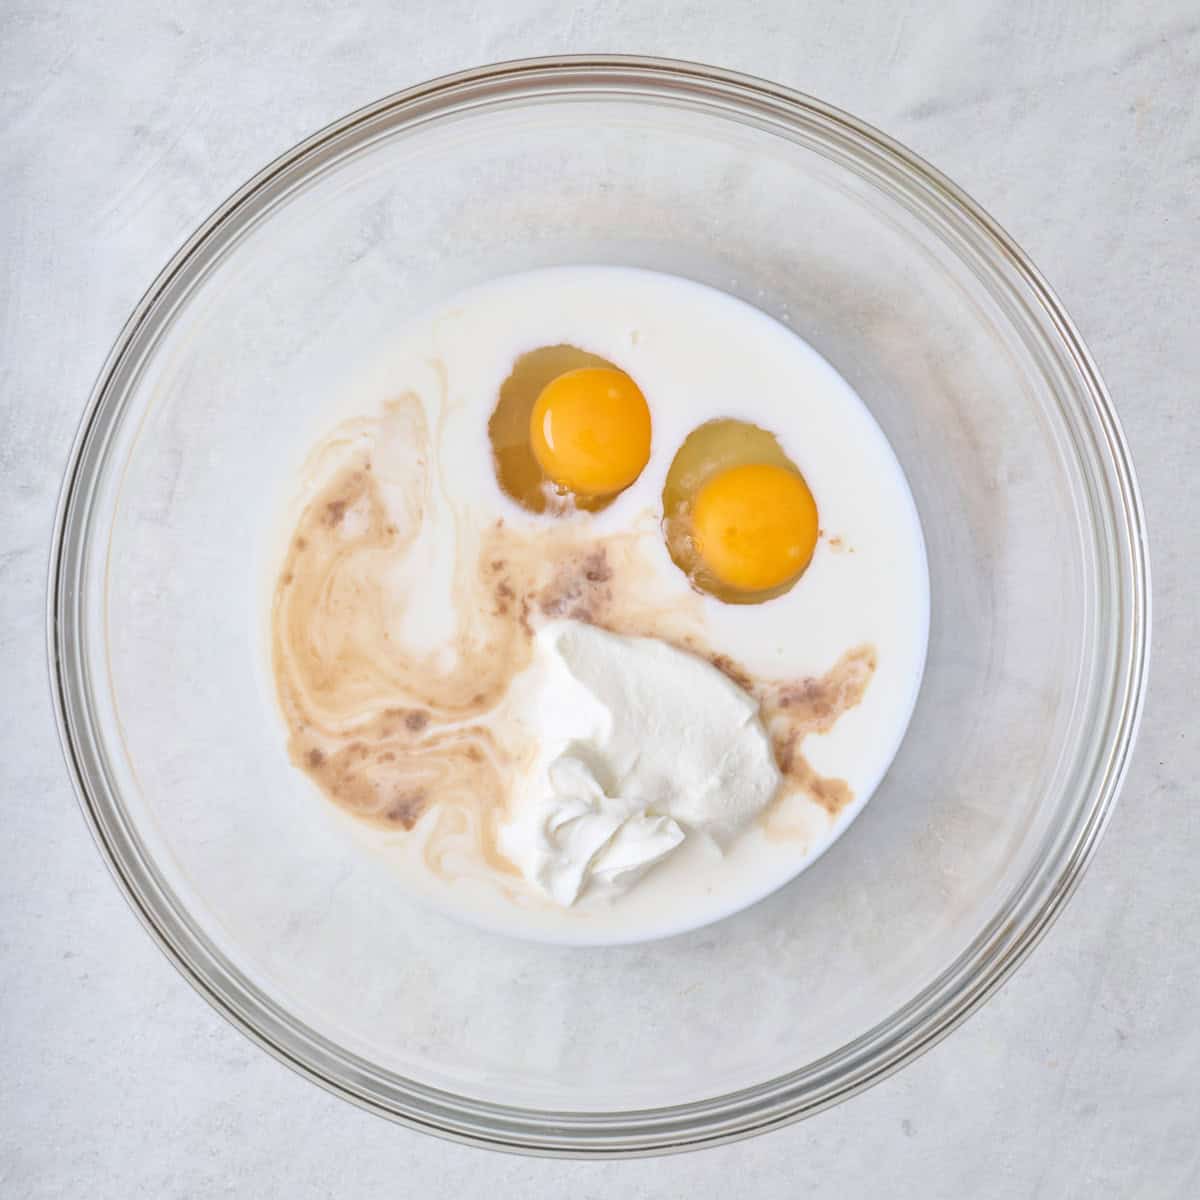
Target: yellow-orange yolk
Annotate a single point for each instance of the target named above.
(590, 431)
(755, 527)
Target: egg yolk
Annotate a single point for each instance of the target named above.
(590, 431)
(755, 527)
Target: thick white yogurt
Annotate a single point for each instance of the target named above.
(640, 745)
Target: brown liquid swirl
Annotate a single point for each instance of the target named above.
(397, 736)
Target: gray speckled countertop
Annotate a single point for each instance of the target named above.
(1076, 124)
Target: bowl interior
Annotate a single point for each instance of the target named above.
(281, 311)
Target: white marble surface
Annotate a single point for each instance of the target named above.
(122, 125)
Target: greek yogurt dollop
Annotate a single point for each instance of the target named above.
(638, 747)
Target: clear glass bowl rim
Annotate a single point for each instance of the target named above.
(909, 1032)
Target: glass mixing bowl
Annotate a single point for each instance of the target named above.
(224, 376)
